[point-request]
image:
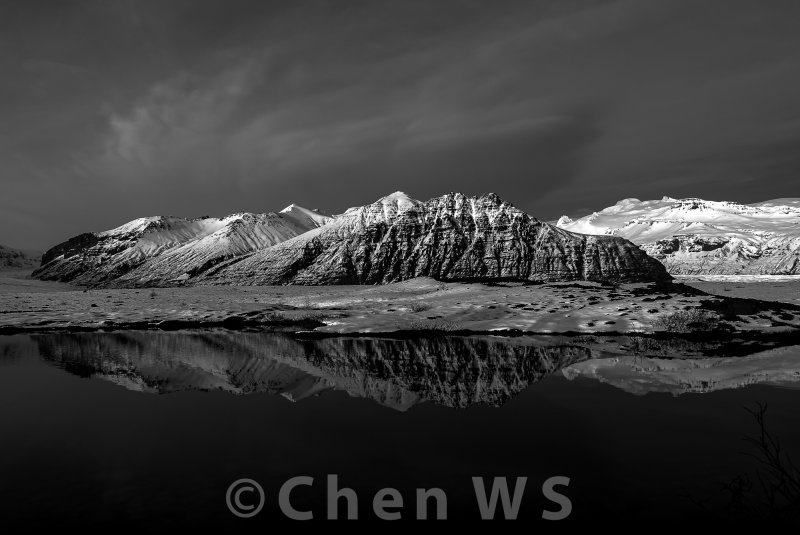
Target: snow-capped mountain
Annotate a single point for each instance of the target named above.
(15, 258)
(453, 237)
(158, 250)
(693, 236)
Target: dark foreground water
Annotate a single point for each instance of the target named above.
(144, 430)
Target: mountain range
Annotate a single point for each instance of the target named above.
(452, 237)
(699, 237)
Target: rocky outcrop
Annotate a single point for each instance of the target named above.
(450, 238)
(697, 237)
(71, 247)
(154, 251)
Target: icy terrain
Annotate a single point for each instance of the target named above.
(697, 237)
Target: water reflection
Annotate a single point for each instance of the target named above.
(452, 371)
(398, 373)
(14, 349)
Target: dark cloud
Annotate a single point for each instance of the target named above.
(118, 109)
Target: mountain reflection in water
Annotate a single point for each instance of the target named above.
(398, 373)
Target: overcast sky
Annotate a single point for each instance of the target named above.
(115, 109)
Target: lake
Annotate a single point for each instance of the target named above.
(148, 430)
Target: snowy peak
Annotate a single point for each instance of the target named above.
(304, 216)
(397, 203)
(399, 206)
(391, 204)
(386, 210)
(396, 196)
(137, 226)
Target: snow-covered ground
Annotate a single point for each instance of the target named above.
(413, 305)
(767, 288)
(738, 278)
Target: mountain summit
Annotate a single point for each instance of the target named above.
(694, 236)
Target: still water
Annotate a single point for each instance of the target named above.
(148, 430)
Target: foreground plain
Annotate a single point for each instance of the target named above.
(415, 305)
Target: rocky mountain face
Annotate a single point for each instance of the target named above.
(697, 237)
(154, 251)
(453, 237)
(14, 258)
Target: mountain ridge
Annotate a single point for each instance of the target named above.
(451, 237)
